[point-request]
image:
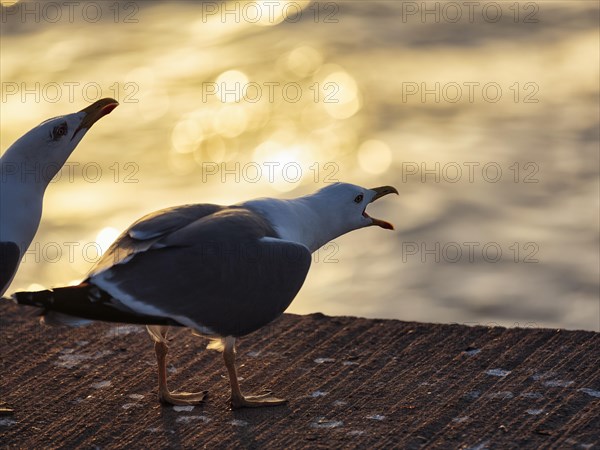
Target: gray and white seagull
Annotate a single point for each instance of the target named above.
(223, 271)
(26, 168)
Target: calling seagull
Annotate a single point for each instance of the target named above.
(222, 271)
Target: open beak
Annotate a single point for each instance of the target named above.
(94, 112)
(380, 192)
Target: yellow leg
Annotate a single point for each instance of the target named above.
(238, 400)
(172, 398)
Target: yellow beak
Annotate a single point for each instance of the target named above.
(380, 192)
(94, 112)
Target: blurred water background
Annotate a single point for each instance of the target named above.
(497, 164)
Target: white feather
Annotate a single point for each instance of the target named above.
(315, 219)
(103, 281)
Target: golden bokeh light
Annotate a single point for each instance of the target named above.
(374, 156)
(283, 166)
(213, 149)
(230, 121)
(302, 61)
(340, 93)
(231, 86)
(186, 136)
(153, 104)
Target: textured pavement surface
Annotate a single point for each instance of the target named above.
(350, 382)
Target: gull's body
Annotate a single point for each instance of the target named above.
(223, 271)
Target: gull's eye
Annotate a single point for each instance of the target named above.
(359, 198)
(59, 131)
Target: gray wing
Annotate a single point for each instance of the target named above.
(226, 274)
(144, 233)
(10, 255)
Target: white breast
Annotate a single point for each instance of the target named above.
(20, 212)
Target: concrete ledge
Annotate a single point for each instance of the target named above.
(350, 382)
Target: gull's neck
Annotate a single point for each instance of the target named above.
(22, 170)
(22, 187)
(305, 220)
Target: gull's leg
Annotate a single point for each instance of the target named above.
(159, 336)
(238, 400)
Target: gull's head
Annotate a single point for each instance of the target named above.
(48, 145)
(346, 206)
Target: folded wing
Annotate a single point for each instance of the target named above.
(219, 270)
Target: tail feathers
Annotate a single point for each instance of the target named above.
(40, 299)
(78, 305)
(44, 300)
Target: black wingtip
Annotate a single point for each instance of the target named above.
(39, 299)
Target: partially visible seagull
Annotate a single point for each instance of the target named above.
(223, 271)
(26, 168)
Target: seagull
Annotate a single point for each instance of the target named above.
(223, 271)
(26, 168)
